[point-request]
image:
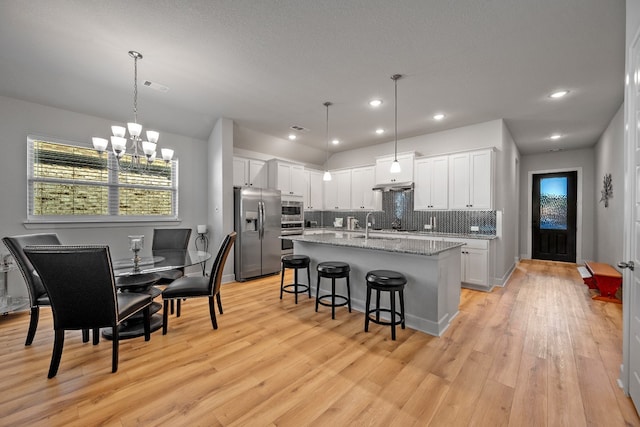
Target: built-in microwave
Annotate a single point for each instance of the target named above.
(292, 210)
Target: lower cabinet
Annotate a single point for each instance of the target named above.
(474, 268)
(474, 261)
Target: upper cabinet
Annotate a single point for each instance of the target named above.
(337, 192)
(431, 183)
(287, 177)
(362, 182)
(383, 166)
(313, 195)
(249, 172)
(470, 180)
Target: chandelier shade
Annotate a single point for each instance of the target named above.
(139, 148)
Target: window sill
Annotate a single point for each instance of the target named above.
(47, 224)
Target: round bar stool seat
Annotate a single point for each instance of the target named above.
(333, 270)
(296, 262)
(385, 281)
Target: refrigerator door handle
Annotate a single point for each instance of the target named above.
(260, 220)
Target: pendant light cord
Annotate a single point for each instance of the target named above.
(135, 55)
(327, 104)
(395, 78)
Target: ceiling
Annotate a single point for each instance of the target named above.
(271, 64)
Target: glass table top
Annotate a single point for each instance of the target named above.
(161, 260)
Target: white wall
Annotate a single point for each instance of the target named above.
(483, 135)
(257, 145)
(219, 171)
(609, 222)
(506, 197)
(19, 119)
(562, 160)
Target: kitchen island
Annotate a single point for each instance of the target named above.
(432, 268)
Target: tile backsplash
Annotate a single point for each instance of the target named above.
(399, 205)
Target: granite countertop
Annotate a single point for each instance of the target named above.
(388, 244)
(478, 236)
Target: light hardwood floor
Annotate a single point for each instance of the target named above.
(538, 352)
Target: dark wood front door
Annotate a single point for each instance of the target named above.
(554, 216)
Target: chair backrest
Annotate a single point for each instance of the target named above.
(80, 284)
(215, 279)
(170, 238)
(16, 245)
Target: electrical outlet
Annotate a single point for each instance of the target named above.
(475, 228)
(427, 226)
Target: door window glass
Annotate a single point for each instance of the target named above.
(553, 203)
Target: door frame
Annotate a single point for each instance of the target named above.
(530, 174)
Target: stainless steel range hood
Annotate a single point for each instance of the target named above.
(394, 186)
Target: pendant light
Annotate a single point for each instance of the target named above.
(395, 166)
(327, 174)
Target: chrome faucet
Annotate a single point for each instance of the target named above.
(366, 224)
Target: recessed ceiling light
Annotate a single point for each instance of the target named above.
(375, 102)
(292, 136)
(438, 116)
(559, 94)
(336, 141)
(379, 131)
(555, 136)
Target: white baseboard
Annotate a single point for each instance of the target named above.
(501, 281)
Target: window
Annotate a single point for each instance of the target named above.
(553, 203)
(70, 182)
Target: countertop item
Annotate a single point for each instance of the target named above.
(388, 244)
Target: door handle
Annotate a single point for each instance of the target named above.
(628, 264)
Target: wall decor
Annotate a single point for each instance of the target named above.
(607, 190)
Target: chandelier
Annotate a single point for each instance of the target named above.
(140, 147)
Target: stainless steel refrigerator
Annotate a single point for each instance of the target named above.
(258, 212)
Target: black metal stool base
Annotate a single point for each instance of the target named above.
(391, 282)
(397, 319)
(344, 301)
(295, 288)
(333, 270)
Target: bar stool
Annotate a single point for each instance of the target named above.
(333, 270)
(296, 262)
(385, 281)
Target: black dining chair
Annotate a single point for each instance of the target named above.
(37, 294)
(199, 286)
(83, 295)
(167, 239)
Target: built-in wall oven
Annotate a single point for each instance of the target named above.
(292, 223)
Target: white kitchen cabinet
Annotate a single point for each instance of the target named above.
(474, 260)
(337, 192)
(313, 196)
(249, 172)
(431, 183)
(383, 166)
(470, 180)
(287, 177)
(474, 268)
(362, 182)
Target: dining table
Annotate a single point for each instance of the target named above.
(140, 275)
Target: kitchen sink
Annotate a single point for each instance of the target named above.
(362, 236)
